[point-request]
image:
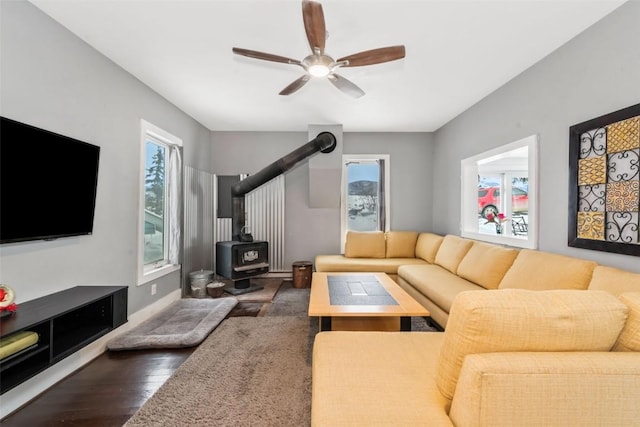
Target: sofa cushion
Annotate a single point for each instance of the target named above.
(376, 378)
(427, 246)
(614, 280)
(436, 283)
(451, 252)
(536, 270)
(342, 263)
(401, 244)
(486, 264)
(364, 244)
(629, 339)
(506, 320)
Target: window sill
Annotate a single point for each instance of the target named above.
(518, 242)
(156, 273)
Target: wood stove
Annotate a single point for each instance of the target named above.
(239, 261)
(243, 258)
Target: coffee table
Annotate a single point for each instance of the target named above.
(361, 302)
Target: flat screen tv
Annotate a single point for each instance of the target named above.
(48, 184)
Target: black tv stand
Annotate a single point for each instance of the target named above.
(65, 321)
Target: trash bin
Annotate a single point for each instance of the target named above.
(302, 271)
(199, 281)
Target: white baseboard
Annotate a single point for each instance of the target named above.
(283, 274)
(22, 394)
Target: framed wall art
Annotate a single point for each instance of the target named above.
(604, 183)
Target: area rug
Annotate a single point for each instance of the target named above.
(251, 371)
(254, 303)
(270, 286)
(246, 309)
(183, 324)
(290, 301)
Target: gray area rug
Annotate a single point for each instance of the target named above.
(251, 371)
(183, 324)
(290, 301)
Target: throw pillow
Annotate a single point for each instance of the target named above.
(539, 271)
(364, 244)
(629, 339)
(486, 264)
(401, 244)
(427, 246)
(614, 280)
(451, 252)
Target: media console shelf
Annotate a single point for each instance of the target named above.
(65, 322)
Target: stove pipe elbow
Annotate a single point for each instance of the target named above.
(325, 142)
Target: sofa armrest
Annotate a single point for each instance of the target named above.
(526, 389)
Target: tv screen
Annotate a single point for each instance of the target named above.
(48, 184)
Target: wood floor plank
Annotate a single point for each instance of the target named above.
(105, 392)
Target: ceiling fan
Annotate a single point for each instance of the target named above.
(319, 64)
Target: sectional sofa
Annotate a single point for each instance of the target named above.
(531, 338)
(434, 269)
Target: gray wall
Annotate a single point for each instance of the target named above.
(313, 231)
(595, 73)
(51, 79)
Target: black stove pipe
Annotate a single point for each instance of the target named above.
(324, 142)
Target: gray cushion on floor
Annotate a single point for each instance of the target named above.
(185, 323)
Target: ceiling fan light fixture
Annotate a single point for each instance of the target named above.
(319, 70)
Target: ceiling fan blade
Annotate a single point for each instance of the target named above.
(374, 56)
(313, 17)
(345, 85)
(266, 56)
(297, 84)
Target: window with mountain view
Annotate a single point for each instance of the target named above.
(365, 194)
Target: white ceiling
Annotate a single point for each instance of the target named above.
(457, 53)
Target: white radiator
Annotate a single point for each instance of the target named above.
(199, 217)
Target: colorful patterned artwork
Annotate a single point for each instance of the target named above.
(606, 183)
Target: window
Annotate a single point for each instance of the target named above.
(365, 194)
(160, 200)
(499, 189)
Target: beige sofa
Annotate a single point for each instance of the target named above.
(434, 269)
(508, 357)
(552, 340)
(375, 252)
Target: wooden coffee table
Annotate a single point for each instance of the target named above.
(361, 302)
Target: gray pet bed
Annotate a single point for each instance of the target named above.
(183, 324)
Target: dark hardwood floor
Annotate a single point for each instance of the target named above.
(105, 392)
(111, 388)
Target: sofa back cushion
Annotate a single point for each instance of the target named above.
(364, 244)
(614, 280)
(537, 270)
(629, 339)
(427, 246)
(512, 320)
(486, 264)
(401, 244)
(451, 251)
